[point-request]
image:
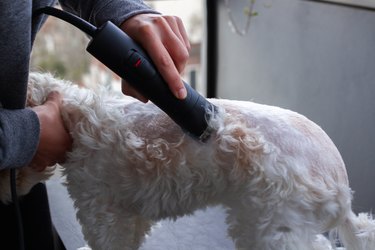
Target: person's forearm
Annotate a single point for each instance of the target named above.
(19, 137)
(99, 11)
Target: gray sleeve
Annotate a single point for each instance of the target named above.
(99, 11)
(19, 137)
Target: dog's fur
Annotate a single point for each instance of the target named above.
(280, 177)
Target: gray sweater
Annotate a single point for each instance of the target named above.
(19, 126)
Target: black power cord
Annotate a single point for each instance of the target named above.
(81, 24)
(16, 204)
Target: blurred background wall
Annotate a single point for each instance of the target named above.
(312, 57)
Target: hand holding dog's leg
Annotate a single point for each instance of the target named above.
(54, 140)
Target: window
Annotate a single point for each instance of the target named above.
(191, 13)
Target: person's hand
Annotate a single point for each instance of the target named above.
(54, 140)
(165, 40)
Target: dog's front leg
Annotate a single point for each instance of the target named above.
(115, 231)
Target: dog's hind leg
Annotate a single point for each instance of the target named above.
(251, 228)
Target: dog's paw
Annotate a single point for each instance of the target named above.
(84, 248)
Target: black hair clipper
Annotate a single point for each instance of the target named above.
(121, 54)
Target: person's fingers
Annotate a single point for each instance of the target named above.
(54, 99)
(177, 52)
(184, 33)
(165, 65)
(54, 96)
(179, 29)
(169, 70)
(172, 39)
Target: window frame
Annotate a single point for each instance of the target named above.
(368, 4)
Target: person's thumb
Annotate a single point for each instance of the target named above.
(54, 97)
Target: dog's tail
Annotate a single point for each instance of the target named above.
(357, 232)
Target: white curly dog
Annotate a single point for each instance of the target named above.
(279, 176)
